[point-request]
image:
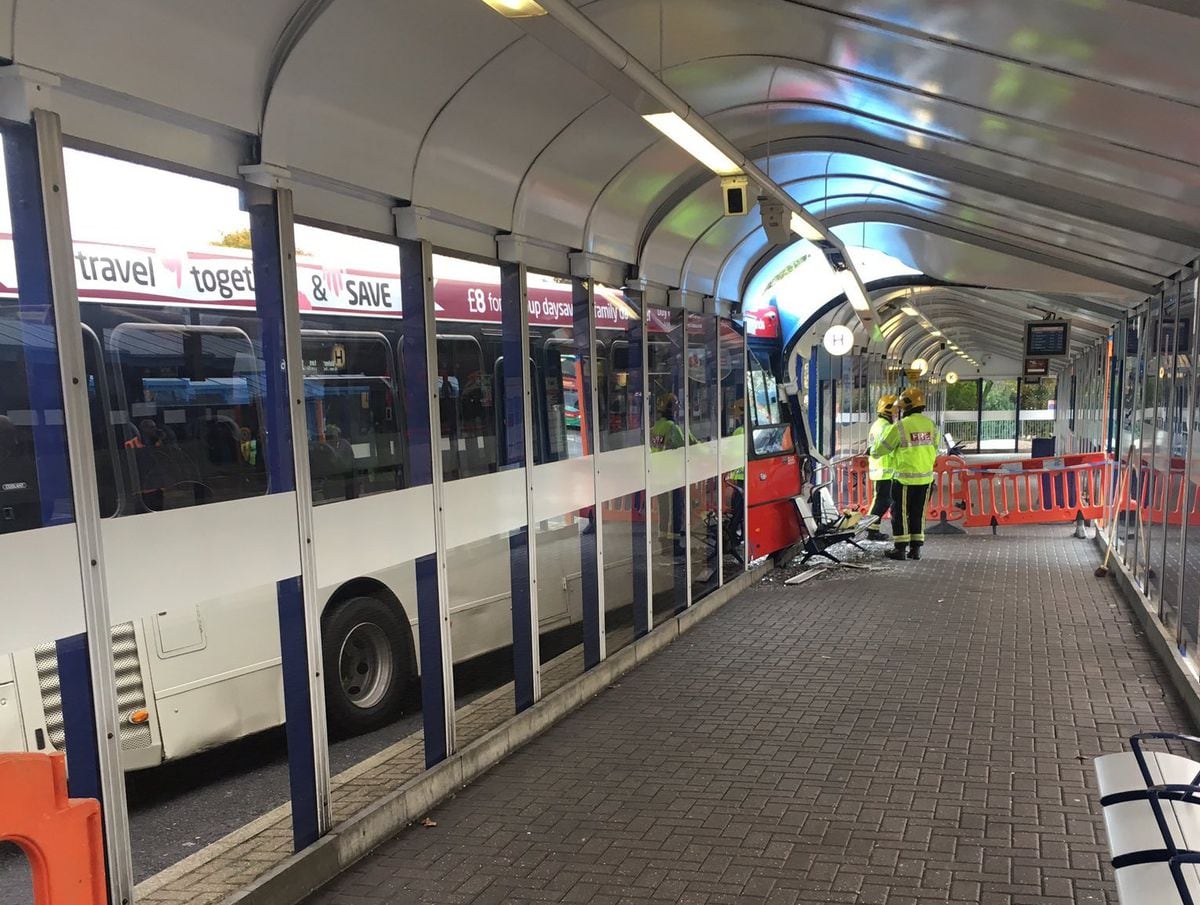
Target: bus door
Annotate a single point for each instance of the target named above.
(774, 473)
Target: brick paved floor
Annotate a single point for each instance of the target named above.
(916, 734)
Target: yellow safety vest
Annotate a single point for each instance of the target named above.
(912, 443)
(879, 468)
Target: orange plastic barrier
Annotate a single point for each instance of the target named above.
(61, 837)
(1045, 495)
(1021, 491)
(944, 503)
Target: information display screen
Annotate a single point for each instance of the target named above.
(1037, 367)
(1047, 338)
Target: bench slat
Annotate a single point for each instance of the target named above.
(1153, 884)
(1119, 773)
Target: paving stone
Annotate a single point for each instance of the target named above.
(912, 735)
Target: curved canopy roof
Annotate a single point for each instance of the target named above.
(1043, 149)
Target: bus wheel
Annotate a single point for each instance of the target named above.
(368, 665)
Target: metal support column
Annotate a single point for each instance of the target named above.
(584, 328)
(273, 241)
(643, 616)
(59, 273)
(518, 452)
(422, 399)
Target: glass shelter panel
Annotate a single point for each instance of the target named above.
(703, 458)
(564, 494)
(621, 463)
(668, 481)
(483, 498)
(732, 355)
(180, 408)
(1130, 421)
(1150, 488)
(1176, 390)
(372, 522)
(1189, 516)
(42, 602)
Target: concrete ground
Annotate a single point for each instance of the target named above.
(913, 733)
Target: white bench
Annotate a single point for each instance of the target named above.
(1151, 804)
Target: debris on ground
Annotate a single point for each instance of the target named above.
(428, 822)
(853, 562)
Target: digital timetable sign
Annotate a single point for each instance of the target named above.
(1047, 339)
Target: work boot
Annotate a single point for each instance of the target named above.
(875, 534)
(914, 552)
(898, 553)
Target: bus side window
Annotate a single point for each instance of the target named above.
(466, 403)
(20, 500)
(193, 399)
(502, 410)
(354, 442)
(104, 439)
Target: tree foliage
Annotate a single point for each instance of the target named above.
(238, 238)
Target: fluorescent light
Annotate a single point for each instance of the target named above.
(910, 310)
(926, 324)
(854, 291)
(516, 9)
(805, 230)
(684, 135)
(935, 332)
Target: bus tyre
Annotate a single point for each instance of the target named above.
(368, 665)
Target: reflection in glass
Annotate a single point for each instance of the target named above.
(564, 489)
(179, 400)
(733, 447)
(706, 526)
(668, 508)
(624, 521)
(669, 554)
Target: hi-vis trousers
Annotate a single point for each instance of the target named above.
(908, 512)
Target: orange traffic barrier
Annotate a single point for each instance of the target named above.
(1045, 490)
(1040, 496)
(62, 837)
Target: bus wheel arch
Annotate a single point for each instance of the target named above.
(368, 657)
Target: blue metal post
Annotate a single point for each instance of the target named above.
(589, 560)
(437, 699)
(279, 455)
(514, 318)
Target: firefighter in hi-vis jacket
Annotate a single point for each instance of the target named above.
(879, 468)
(912, 444)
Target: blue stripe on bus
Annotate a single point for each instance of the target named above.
(79, 717)
(297, 709)
(42, 374)
(433, 687)
(522, 618)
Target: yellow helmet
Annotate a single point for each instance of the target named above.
(886, 404)
(912, 398)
